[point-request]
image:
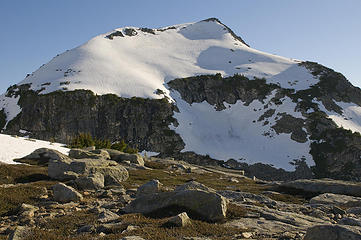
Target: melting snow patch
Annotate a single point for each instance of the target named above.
(350, 118)
(10, 106)
(12, 147)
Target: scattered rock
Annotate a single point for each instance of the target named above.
(86, 229)
(109, 228)
(333, 232)
(107, 216)
(247, 234)
(181, 220)
(27, 210)
(150, 187)
(63, 193)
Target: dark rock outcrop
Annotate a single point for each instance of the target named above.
(143, 123)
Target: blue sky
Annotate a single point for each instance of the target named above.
(326, 31)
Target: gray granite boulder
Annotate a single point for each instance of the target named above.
(205, 205)
(63, 193)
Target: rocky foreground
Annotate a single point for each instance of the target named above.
(107, 194)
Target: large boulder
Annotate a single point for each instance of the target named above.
(69, 169)
(63, 193)
(46, 153)
(325, 186)
(337, 200)
(122, 157)
(94, 154)
(200, 204)
(333, 232)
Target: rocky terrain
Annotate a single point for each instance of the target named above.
(106, 194)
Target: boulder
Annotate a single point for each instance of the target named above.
(107, 216)
(150, 187)
(336, 199)
(180, 220)
(63, 193)
(46, 153)
(325, 186)
(113, 153)
(199, 204)
(60, 169)
(101, 152)
(93, 181)
(69, 169)
(94, 154)
(333, 232)
(122, 157)
(193, 185)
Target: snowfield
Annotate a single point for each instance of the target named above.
(18, 147)
(236, 133)
(144, 60)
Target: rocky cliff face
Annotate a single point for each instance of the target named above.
(62, 115)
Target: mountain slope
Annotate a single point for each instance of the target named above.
(260, 108)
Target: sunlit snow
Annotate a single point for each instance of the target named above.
(12, 147)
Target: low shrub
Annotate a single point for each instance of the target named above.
(84, 140)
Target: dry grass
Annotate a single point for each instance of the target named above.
(10, 174)
(35, 178)
(153, 229)
(287, 198)
(13, 197)
(40, 234)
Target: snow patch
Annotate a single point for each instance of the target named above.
(12, 147)
(10, 106)
(350, 118)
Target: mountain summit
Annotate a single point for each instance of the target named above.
(193, 89)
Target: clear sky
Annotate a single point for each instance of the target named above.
(32, 32)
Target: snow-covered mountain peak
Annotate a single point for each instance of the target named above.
(247, 105)
(133, 61)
